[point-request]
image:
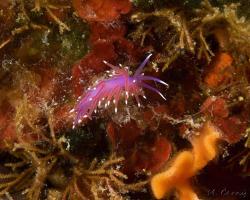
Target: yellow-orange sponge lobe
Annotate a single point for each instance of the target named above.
(162, 183)
(186, 164)
(186, 192)
(204, 146)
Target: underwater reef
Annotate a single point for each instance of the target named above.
(124, 99)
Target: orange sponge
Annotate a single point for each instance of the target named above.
(186, 164)
(186, 192)
(162, 183)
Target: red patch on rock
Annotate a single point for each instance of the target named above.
(7, 126)
(101, 10)
(232, 128)
(219, 71)
(46, 85)
(150, 156)
(124, 136)
(155, 157)
(150, 116)
(109, 32)
(83, 71)
(142, 152)
(115, 34)
(215, 106)
(62, 119)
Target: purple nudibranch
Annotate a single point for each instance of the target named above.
(110, 90)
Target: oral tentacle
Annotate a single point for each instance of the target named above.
(150, 78)
(152, 89)
(142, 65)
(111, 66)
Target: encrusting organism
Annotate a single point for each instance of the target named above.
(187, 164)
(111, 90)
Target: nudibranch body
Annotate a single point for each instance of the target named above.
(111, 90)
